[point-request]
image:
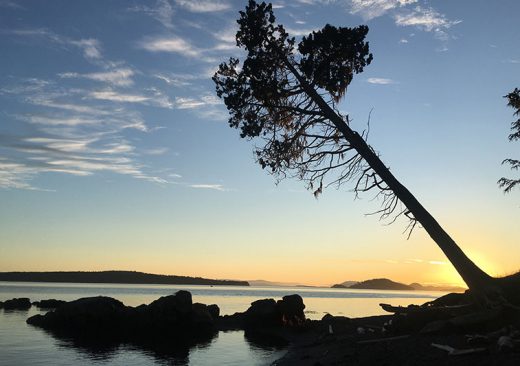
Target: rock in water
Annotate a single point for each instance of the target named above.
(22, 303)
(48, 304)
(172, 316)
(268, 312)
(89, 315)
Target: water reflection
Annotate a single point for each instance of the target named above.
(171, 351)
(230, 348)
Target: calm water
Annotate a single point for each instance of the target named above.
(21, 344)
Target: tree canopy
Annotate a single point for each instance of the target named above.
(513, 98)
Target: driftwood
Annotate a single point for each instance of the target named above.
(453, 313)
(458, 352)
(414, 309)
(385, 339)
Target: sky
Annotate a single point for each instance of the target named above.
(115, 152)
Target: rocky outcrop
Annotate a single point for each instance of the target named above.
(90, 315)
(48, 304)
(22, 303)
(267, 313)
(173, 316)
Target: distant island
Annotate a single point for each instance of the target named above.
(386, 284)
(123, 277)
(264, 283)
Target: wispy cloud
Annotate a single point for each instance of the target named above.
(69, 132)
(114, 96)
(79, 157)
(427, 19)
(369, 9)
(381, 81)
(438, 263)
(15, 175)
(216, 187)
(177, 79)
(432, 262)
(171, 45)
(10, 4)
(162, 12)
(116, 77)
(295, 32)
(203, 6)
(227, 34)
(60, 121)
(90, 47)
(190, 103)
(156, 151)
(424, 18)
(154, 97)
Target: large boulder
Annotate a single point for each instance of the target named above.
(267, 313)
(291, 309)
(262, 313)
(22, 303)
(84, 316)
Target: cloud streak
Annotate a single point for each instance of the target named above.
(370, 9)
(162, 12)
(116, 77)
(215, 187)
(69, 137)
(203, 6)
(381, 81)
(426, 19)
(90, 47)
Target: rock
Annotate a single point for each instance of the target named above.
(87, 315)
(22, 303)
(168, 317)
(291, 308)
(337, 324)
(262, 313)
(231, 322)
(201, 316)
(184, 301)
(214, 310)
(268, 313)
(48, 304)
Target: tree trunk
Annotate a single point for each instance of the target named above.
(477, 280)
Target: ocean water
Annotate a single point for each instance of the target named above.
(22, 344)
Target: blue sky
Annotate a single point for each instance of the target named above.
(115, 152)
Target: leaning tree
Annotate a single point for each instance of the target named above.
(507, 184)
(286, 95)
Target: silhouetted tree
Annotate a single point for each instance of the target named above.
(514, 102)
(287, 95)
